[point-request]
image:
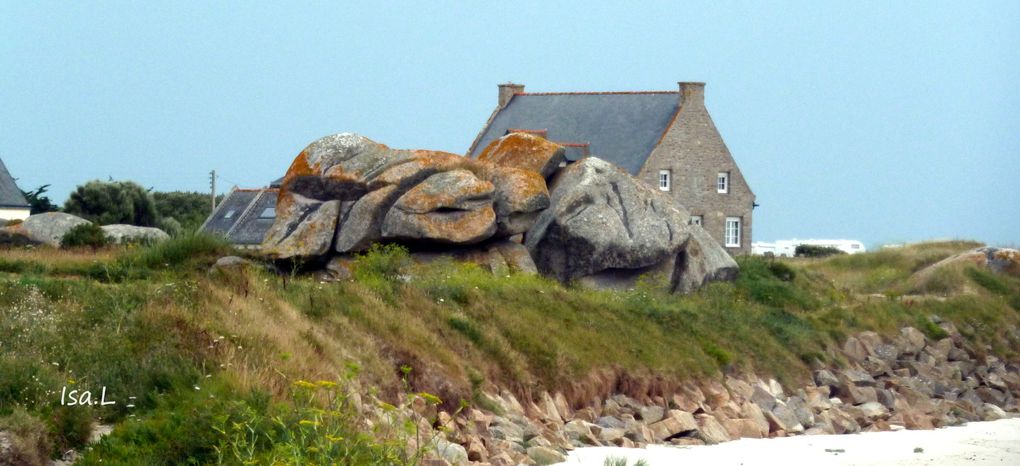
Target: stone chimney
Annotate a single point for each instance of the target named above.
(692, 93)
(507, 91)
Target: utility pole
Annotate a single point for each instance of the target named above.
(212, 189)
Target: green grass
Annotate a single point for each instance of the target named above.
(151, 324)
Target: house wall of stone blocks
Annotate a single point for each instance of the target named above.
(694, 153)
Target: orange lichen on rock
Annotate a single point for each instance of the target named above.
(524, 151)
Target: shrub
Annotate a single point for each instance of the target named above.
(30, 443)
(180, 250)
(113, 202)
(84, 235)
(187, 209)
(808, 250)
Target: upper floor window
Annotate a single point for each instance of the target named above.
(230, 213)
(722, 183)
(664, 180)
(696, 220)
(732, 233)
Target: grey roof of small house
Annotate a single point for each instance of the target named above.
(10, 195)
(252, 227)
(239, 216)
(620, 127)
(229, 211)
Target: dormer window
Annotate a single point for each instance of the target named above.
(664, 180)
(722, 183)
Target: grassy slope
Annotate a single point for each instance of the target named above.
(150, 323)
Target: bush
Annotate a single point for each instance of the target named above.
(84, 235)
(30, 444)
(187, 209)
(807, 250)
(107, 203)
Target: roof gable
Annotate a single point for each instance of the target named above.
(10, 194)
(619, 127)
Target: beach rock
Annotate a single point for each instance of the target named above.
(545, 456)
(912, 341)
(602, 218)
(743, 428)
(303, 229)
(710, 430)
(121, 234)
(677, 423)
(230, 262)
(524, 151)
(451, 452)
(48, 228)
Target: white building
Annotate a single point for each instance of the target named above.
(13, 205)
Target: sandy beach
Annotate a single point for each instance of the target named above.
(977, 443)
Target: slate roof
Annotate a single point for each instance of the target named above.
(253, 225)
(10, 195)
(619, 127)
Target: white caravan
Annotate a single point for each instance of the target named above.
(788, 247)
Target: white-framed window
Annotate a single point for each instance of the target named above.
(664, 180)
(732, 232)
(722, 183)
(696, 220)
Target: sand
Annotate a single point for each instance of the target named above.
(977, 443)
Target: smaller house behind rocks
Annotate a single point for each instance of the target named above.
(244, 216)
(13, 205)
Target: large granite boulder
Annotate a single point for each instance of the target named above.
(701, 261)
(607, 229)
(524, 151)
(602, 218)
(122, 234)
(48, 228)
(384, 194)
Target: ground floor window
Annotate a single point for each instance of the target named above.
(664, 180)
(696, 220)
(733, 232)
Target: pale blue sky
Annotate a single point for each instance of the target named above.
(873, 121)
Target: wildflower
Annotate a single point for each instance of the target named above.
(304, 384)
(334, 438)
(326, 383)
(306, 422)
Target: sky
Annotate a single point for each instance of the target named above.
(878, 121)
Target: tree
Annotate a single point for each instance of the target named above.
(40, 204)
(110, 202)
(189, 209)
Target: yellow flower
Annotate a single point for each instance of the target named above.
(306, 422)
(334, 438)
(326, 383)
(304, 384)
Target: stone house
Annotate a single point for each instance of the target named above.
(665, 138)
(13, 205)
(244, 215)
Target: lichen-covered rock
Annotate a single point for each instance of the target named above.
(524, 151)
(48, 228)
(120, 234)
(519, 197)
(448, 207)
(999, 260)
(304, 228)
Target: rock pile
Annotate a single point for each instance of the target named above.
(999, 260)
(908, 382)
(49, 229)
(344, 193)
